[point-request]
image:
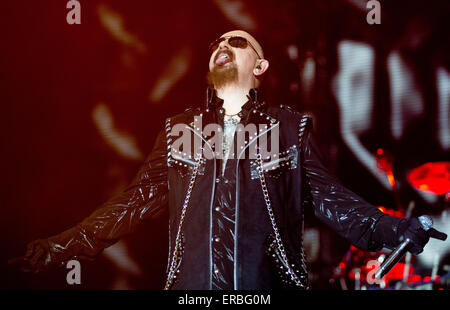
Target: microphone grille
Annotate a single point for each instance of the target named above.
(426, 221)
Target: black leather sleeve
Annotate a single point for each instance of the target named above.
(119, 216)
(361, 223)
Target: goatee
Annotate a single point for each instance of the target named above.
(219, 77)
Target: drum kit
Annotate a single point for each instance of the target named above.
(357, 269)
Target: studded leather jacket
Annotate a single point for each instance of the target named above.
(270, 199)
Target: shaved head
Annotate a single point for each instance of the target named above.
(249, 37)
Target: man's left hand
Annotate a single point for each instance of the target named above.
(412, 229)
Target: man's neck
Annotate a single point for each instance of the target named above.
(233, 98)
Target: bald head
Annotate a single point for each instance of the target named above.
(249, 38)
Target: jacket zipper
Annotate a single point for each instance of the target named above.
(236, 215)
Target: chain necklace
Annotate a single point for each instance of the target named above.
(229, 125)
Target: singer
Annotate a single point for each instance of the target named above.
(235, 220)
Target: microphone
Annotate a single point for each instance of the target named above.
(400, 251)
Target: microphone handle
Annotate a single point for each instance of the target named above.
(392, 259)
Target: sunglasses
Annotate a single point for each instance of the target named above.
(234, 41)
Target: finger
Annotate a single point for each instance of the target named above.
(26, 268)
(30, 249)
(416, 250)
(37, 268)
(421, 238)
(40, 266)
(17, 260)
(37, 256)
(436, 234)
(29, 268)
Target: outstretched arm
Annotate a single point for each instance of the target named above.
(119, 216)
(359, 222)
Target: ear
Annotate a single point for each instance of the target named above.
(261, 67)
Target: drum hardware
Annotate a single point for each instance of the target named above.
(433, 177)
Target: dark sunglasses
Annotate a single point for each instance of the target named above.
(234, 41)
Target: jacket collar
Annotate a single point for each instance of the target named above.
(255, 99)
(251, 112)
(254, 103)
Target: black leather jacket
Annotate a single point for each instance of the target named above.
(268, 212)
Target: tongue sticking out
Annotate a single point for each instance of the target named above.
(222, 59)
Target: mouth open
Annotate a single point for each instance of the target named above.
(222, 58)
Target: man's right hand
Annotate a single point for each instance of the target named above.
(37, 257)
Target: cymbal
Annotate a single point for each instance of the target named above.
(432, 177)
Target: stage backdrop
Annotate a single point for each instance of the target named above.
(83, 97)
